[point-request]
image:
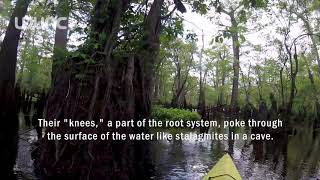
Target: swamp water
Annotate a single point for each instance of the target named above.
(297, 157)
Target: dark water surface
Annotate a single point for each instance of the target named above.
(24, 165)
(297, 157)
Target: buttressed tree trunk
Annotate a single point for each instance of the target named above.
(115, 87)
(8, 106)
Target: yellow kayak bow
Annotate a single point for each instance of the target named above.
(225, 169)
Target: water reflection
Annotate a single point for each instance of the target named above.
(24, 165)
(303, 155)
(286, 157)
(289, 157)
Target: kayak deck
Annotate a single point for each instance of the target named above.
(225, 169)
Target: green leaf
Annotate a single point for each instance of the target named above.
(216, 39)
(221, 40)
(242, 38)
(242, 16)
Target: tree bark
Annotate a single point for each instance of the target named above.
(313, 40)
(236, 63)
(178, 88)
(116, 87)
(8, 105)
(223, 77)
(179, 85)
(282, 87)
(293, 75)
(202, 100)
(221, 94)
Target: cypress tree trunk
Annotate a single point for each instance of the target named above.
(115, 87)
(202, 100)
(8, 105)
(294, 67)
(236, 64)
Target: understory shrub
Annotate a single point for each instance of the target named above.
(161, 113)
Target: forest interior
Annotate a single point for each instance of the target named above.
(190, 61)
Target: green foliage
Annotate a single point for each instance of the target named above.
(315, 5)
(162, 114)
(173, 28)
(41, 10)
(211, 95)
(255, 3)
(5, 8)
(179, 47)
(35, 75)
(199, 6)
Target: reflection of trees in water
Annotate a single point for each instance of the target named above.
(296, 157)
(293, 157)
(244, 155)
(276, 151)
(217, 148)
(303, 154)
(231, 132)
(168, 155)
(258, 151)
(230, 140)
(176, 155)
